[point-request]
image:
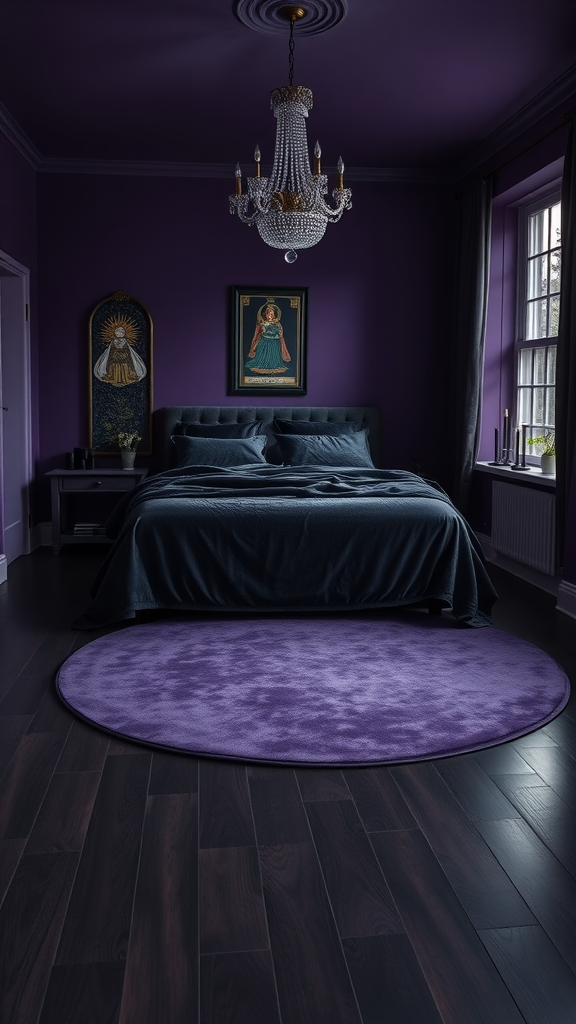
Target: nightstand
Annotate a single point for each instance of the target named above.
(67, 484)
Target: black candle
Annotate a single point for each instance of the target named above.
(506, 434)
(517, 450)
(524, 430)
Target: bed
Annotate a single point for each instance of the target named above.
(330, 531)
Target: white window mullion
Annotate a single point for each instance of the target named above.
(539, 259)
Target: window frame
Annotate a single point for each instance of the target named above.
(546, 198)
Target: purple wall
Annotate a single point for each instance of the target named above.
(17, 205)
(376, 330)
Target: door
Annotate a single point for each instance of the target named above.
(15, 428)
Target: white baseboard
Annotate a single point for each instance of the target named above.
(567, 598)
(539, 579)
(3, 569)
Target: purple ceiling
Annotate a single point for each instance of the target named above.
(397, 83)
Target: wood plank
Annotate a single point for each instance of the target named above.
(162, 967)
(465, 985)
(549, 890)
(12, 729)
(25, 781)
(84, 993)
(483, 888)
(558, 770)
(388, 981)
(538, 738)
(552, 820)
(232, 915)
(52, 715)
(563, 731)
(10, 852)
(380, 803)
(173, 773)
(322, 784)
(19, 642)
(360, 897)
(508, 784)
(98, 920)
(277, 807)
(51, 652)
(542, 984)
(65, 813)
(311, 974)
(26, 694)
(120, 747)
(30, 923)
(238, 988)
(85, 749)
(476, 792)
(225, 812)
(502, 760)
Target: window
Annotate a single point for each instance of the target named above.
(539, 263)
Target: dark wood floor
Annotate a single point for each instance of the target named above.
(148, 888)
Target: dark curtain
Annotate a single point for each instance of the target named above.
(566, 358)
(472, 270)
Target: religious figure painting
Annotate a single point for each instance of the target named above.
(268, 347)
(120, 374)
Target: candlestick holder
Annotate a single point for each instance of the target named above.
(520, 460)
(521, 464)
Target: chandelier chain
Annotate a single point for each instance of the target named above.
(291, 53)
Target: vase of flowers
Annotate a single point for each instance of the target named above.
(128, 443)
(548, 453)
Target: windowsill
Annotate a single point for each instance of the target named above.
(532, 476)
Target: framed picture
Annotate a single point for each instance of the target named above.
(268, 343)
(120, 374)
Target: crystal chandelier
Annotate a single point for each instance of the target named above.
(289, 208)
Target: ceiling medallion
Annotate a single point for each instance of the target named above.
(267, 16)
(289, 208)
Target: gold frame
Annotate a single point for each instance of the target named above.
(120, 310)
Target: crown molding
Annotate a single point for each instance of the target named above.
(418, 175)
(561, 90)
(137, 168)
(17, 136)
(166, 169)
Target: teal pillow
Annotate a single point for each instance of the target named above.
(194, 429)
(317, 426)
(222, 452)
(326, 450)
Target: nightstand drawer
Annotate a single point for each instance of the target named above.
(101, 482)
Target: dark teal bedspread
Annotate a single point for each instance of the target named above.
(265, 538)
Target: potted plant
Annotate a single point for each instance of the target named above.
(548, 453)
(128, 443)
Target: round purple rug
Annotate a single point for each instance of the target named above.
(308, 691)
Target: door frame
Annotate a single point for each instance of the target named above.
(10, 267)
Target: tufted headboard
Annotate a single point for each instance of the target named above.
(174, 414)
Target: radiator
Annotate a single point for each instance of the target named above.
(524, 525)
